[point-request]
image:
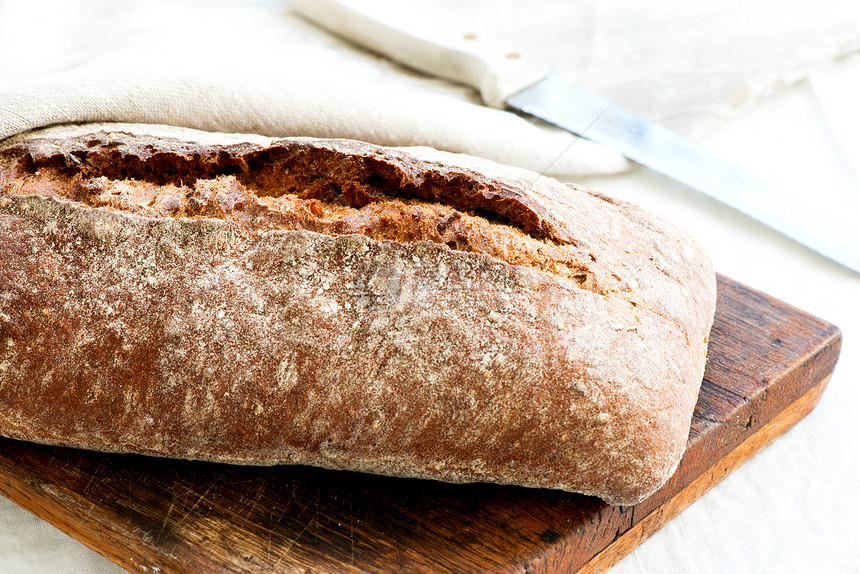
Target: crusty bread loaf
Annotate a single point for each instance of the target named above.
(329, 302)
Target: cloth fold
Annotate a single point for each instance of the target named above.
(256, 67)
(278, 107)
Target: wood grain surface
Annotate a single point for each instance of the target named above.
(768, 365)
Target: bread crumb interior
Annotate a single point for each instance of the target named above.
(285, 196)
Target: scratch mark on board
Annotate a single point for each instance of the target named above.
(394, 541)
(315, 521)
(199, 500)
(166, 518)
(95, 472)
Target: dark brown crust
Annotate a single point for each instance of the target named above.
(292, 186)
(214, 339)
(351, 173)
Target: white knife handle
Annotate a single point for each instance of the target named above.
(442, 50)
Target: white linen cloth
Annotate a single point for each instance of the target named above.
(254, 67)
(729, 73)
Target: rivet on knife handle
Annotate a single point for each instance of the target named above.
(497, 71)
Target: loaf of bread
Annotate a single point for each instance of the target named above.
(400, 311)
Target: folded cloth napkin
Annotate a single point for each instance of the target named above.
(256, 67)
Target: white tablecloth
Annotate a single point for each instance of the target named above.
(793, 507)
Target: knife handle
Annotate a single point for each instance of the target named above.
(443, 50)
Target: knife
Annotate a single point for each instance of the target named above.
(506, 77)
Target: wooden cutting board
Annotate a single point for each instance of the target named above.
(768, 364)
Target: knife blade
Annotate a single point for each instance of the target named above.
(506, 77)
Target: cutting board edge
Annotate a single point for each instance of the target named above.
(88, 528)
(87, 531)
(830, 341)
(653, 522)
